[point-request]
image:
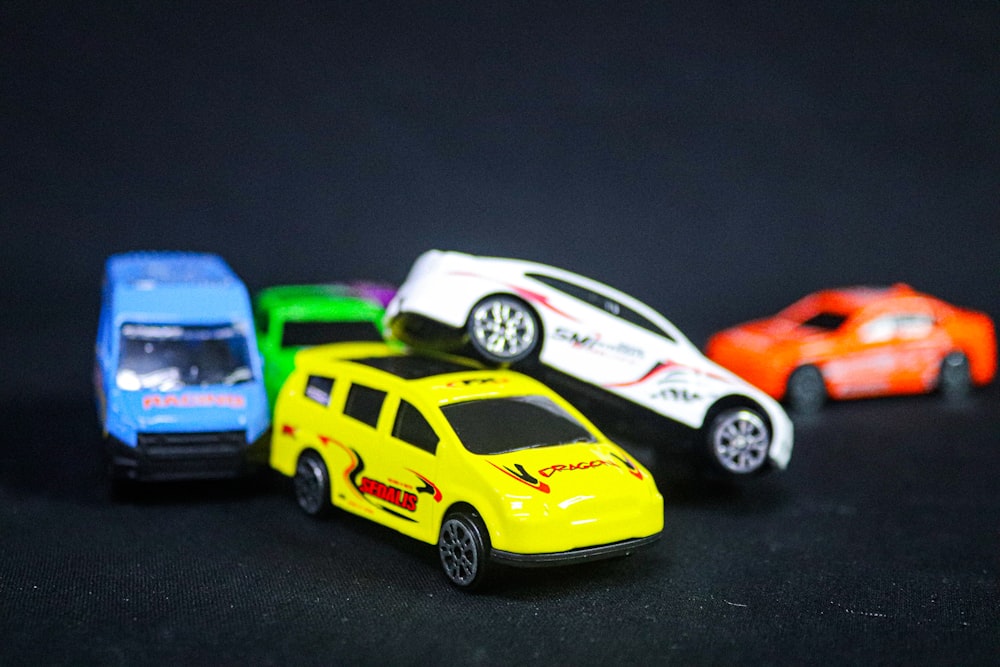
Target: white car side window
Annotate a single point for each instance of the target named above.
(605, 303)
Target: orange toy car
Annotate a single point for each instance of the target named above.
(859, 342)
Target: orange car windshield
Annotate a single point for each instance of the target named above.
(826, 321)
(816, 312)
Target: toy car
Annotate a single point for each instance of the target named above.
(638, 368)
(177, 374)
(291, 317)
(859, 342)
(490, 465)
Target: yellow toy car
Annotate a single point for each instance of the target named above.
(490, 465)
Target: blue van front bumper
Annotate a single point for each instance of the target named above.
(180, 456)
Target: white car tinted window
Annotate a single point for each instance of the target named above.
(607, 304)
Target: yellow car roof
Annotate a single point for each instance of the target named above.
(442, 378)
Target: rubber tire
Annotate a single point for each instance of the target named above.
(464, 549)
(954, 378)
(311, 484)
(720, 439)
(805, 392)
(478, 336)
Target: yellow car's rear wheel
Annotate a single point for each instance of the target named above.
(312, 484)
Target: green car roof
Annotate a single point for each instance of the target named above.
(309, 302)
(290, 317)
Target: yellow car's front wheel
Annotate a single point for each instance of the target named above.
(464, 546)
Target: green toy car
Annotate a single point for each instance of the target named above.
(292, 317)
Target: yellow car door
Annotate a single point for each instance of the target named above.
(410, 464)
(384, 476)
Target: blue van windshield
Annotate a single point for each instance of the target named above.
(170, 357)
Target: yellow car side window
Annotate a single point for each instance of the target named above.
(411, 427)
(319, 389)
(364, 404)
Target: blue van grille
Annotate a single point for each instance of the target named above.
(187, 445)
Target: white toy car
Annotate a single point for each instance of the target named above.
(511, 311)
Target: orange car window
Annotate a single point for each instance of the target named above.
(914, 325)
(878, 330)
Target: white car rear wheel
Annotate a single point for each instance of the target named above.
(503, 329)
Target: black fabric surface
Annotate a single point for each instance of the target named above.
(878, 546)
(716, 160)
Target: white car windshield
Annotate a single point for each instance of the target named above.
(498, 425)
(167, 357)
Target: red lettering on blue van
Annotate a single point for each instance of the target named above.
(233, 401)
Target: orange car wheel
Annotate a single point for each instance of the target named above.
(805, 392)
(954, 378)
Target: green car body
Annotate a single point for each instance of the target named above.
(292, 317)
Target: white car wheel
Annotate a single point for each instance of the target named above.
(503, 329)
(738, 441)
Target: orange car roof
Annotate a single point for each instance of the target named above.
(851, 299)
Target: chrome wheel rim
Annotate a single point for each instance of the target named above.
(459, 555)
(309, 482)
(740, 441)
(503, 329)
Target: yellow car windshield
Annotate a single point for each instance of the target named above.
(498, 425)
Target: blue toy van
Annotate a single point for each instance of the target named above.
(180, 392)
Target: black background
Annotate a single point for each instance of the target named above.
(715, 161)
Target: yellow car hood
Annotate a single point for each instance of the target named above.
(562, 498)
(563, 472)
